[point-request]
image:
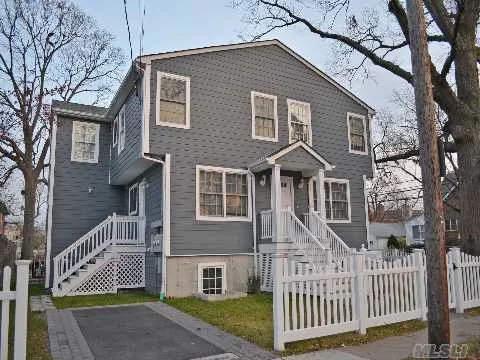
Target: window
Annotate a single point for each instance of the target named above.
(357, 134)
(299, 121)
(264, 117)
(223, 194)
(115, 131)
(451, 225)
(211, 278)
(133, 200)
(418, 233)
(121, 129)
(85, 142)
(173, 100)
(337, 200)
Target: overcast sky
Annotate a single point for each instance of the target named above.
(185, 24)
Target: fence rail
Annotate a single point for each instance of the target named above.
(20, 295)
(367, 292)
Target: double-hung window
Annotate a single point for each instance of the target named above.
(357, 134)
(85, 142)
(133, 199)
(173, 100)
(451, 225)
(115, 131)
(264, 117)
(299, 121)
(121, 129)
(212, 278)
(418, 232)
(223, 194)
(337, 200)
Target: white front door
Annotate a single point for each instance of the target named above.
(286, 184)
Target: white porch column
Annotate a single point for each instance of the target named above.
(321, 193)
(276, 204)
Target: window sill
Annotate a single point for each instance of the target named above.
(220, 219)
(339, 221)
(86, 161)
(173, 125)
(358, 152)
(264, 138)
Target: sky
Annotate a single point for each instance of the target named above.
(186, 24)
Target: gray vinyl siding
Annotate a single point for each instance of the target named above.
(153, 272)
(133, 135)
(76, 211)
(220, 135)
(299, 159)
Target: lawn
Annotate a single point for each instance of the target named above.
(251, 319)
(132, 297)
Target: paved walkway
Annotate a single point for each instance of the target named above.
(145, 331)
(463, 329)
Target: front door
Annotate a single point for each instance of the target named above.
(286, 184)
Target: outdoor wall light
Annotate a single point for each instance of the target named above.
(90, 190)
(263, 180)
(301, 184)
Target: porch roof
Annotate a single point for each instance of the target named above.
(284, 152)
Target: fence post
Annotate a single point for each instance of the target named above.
(422, 299)
(458, 280)
(278, 313)
(360, 296)
(21, 309)
(114, 228)
(7, 275)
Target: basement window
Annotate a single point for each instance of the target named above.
(211, 278)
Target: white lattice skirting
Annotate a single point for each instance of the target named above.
(126, 271)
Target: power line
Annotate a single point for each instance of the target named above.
(128, 29)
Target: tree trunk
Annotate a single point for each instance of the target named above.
(437, 289)
(29, 215)
(469, 172)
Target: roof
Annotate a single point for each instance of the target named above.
(270, 158)
(75, 109)
(379, 229)
(3, 208)
(133, 73)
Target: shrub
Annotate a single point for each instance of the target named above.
(393, 242)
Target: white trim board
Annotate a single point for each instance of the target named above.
(51, 183)
(253, 95)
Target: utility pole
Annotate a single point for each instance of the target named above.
(437, 289)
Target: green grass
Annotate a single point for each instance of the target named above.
(473, 311)
(251, 319)
(133, 297)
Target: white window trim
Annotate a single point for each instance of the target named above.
(223, 171)
(122, 136)
(200, 268)
(131, 213)
(291, 102)
(450, 221)
(341, 181)
(364, 134)
(97, 142)
(115, 126)
(418, 240)
(275, 116)
(187, 100)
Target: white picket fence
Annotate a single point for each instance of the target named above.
(20, 295)
(366, 292)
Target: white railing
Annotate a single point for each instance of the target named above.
(266, 223)
(327, 237)
(20, 295)
(295, 231)
(128, 230)
(372, 292)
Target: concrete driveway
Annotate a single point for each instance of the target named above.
(146, 331)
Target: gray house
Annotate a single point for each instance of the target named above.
(206, 160)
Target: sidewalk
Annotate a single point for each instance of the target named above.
(463, 329)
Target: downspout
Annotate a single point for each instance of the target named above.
(254, 220)
(163, 287)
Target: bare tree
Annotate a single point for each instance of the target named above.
(381, 37)
(48, 48)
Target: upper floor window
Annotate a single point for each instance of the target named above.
(121, 129)
(115, 131)
(418, 232)
(173, 100)
(133, 200)
(337, 200)
(85, 142)
(264, 117)
(223, 194)
(299, 121)
(451, 225)
(357, 134)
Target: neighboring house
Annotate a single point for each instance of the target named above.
(180, 182)
(451, 208)
(379, 232)
(3, 214)
(415, 230)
